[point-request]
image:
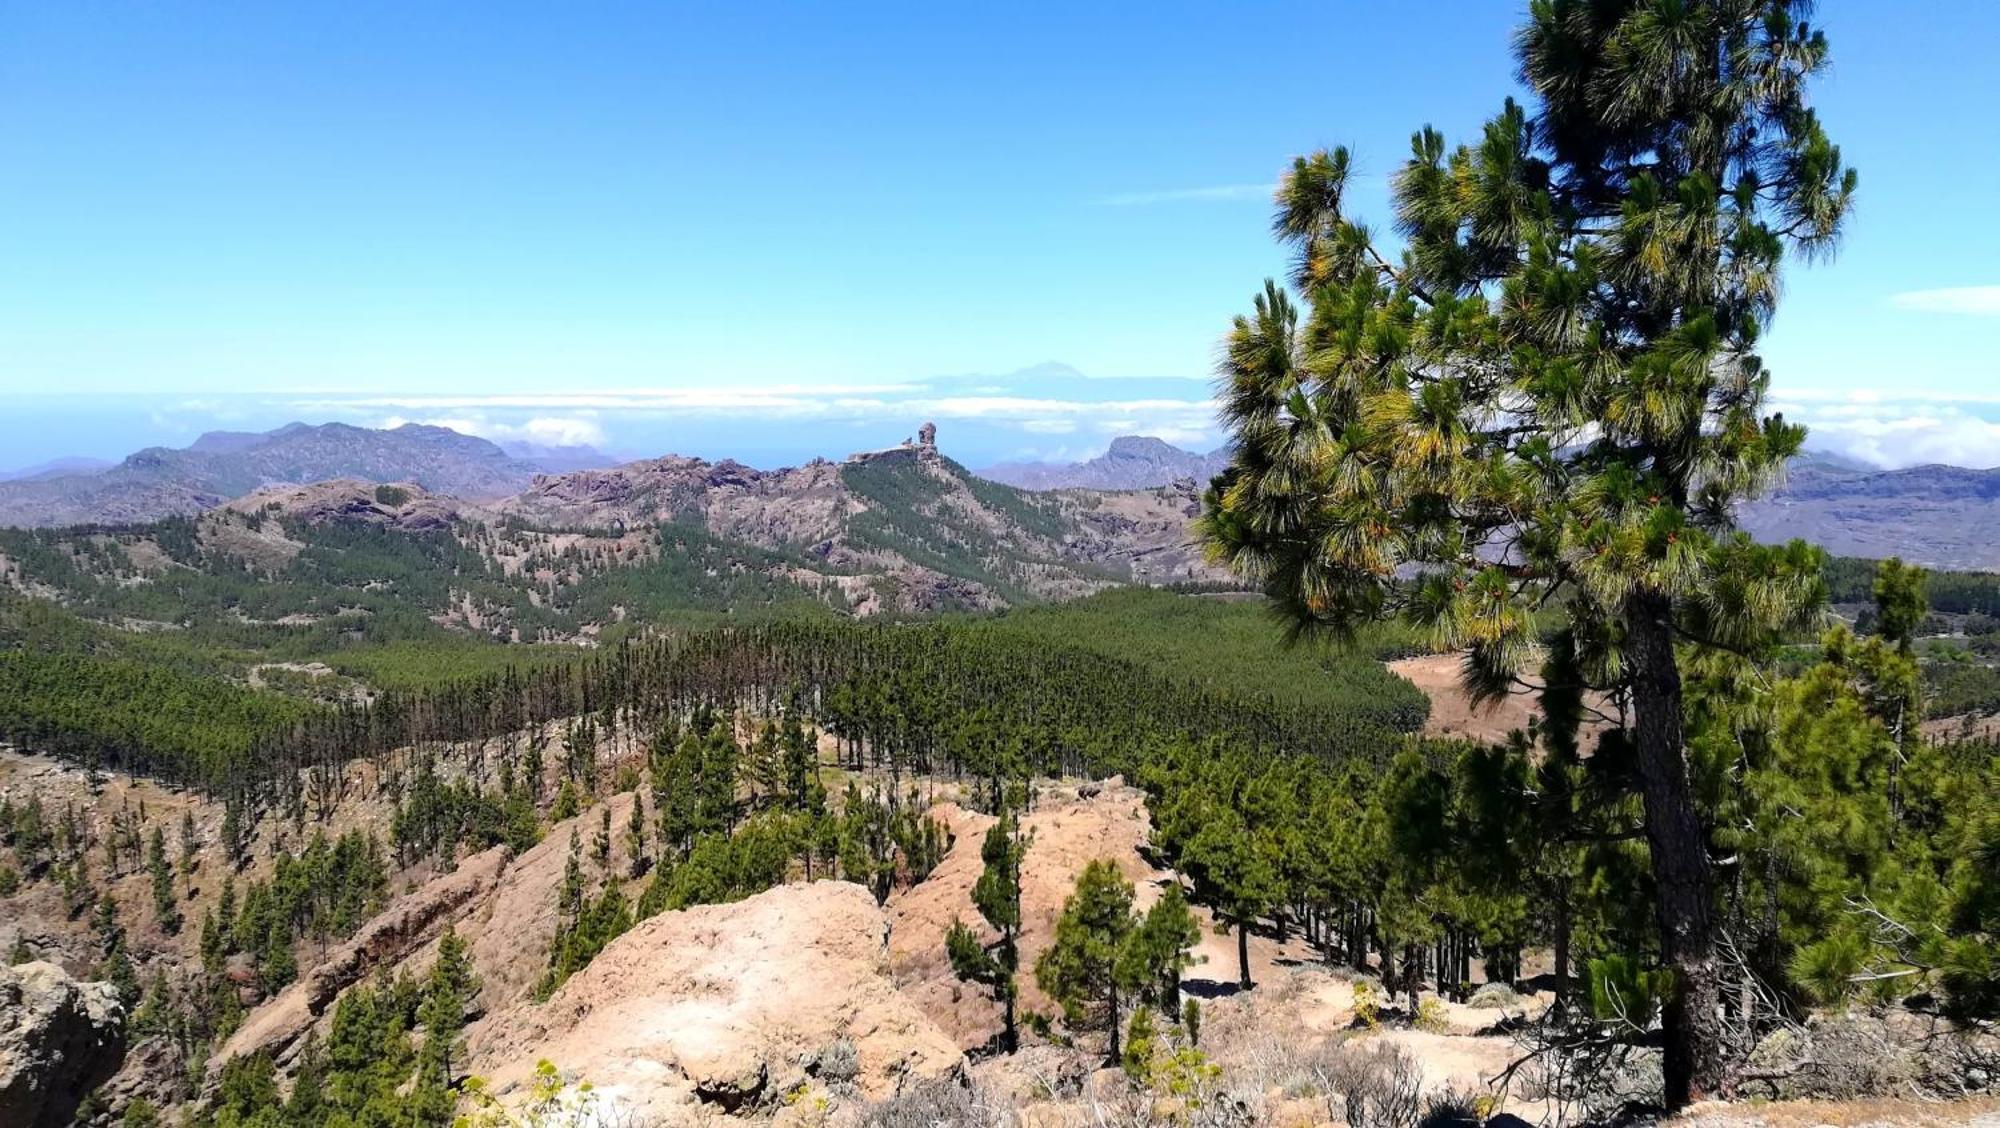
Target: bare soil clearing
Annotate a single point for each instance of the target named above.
(1453, 713)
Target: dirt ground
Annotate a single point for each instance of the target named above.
(1972, 1112)
(1454, 715)
(1956, 728)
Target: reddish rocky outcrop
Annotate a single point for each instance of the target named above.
(727, 1007)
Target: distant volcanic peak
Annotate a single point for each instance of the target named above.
(1143, 446)
(1133, 462)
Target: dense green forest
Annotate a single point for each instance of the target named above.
(1062, 688)
(1227, 645)
(1852, 580)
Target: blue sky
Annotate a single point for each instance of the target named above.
(782, 230)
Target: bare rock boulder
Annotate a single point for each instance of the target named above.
(725, 1007)
(59, 1039)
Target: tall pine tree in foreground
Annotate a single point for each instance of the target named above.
(1552, 399)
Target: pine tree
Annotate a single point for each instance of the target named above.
(307, 1106)
(799, 766)
(997, 896)
(600, 843)
(1234, 869)
(166, 904)
(1158, 951)
(580, 755)
(117, 966)
(1141, 1043)
(448, 991)
(568, 804)
(866, 850)
(190, 850)
(762, 764)
(534, 773)
(636, 836)
(235, 831)
(716, 802)
(676, 759)
(1555, 393)
(1079, 969)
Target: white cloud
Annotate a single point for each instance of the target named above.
(1210, 194)
(547, 430)
(1187, 431)
(1976, 301)
(712, 398)
(562, 418)
(1890, 430)
(1943, 434)
(836, 403)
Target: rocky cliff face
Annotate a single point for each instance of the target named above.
(400, 505)
(903, 530)
(58, 1040)
(934, 535)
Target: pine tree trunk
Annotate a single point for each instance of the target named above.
(1683, 898)
(1243, 955)
(1010, 1036)
(1114, 1024)
(1564, 926)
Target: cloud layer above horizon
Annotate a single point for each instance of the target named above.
(1050, 412)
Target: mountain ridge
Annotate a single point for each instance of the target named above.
(905, 530)
(1937, 515)
(158, 482)
(1131, 462)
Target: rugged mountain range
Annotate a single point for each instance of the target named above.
(902, 530)
(163, 482)
(898, 531)
(1134, 462)
(1938, 516)
(909, 515)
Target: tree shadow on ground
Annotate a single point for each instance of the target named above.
(1211, 988)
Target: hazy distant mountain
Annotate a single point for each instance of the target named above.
(161, 482)
(1134, 462)
(1940, 516)
(559, 459)
(56, 468)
